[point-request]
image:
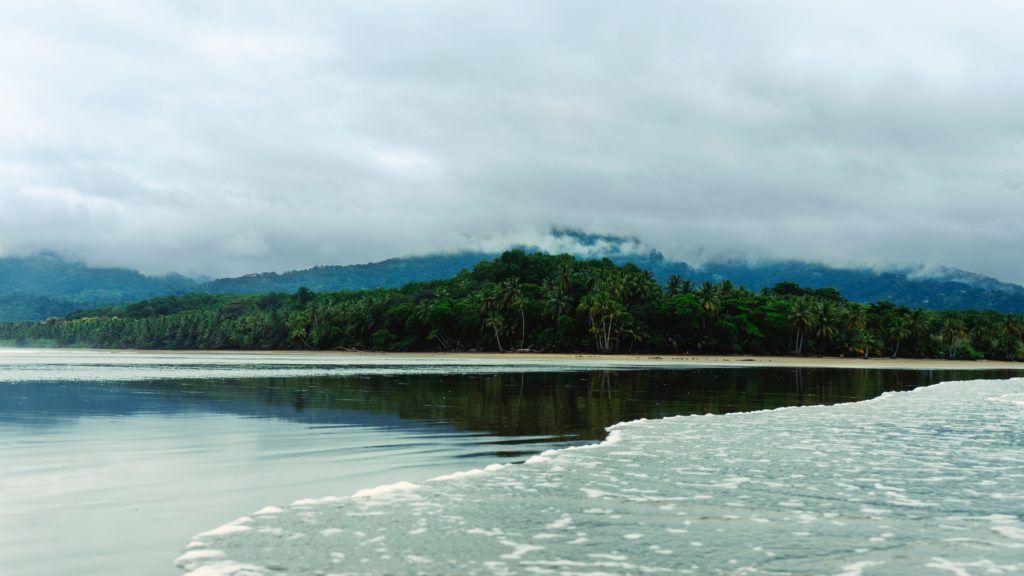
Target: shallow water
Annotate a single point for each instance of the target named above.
(920, 482)
(110, 462)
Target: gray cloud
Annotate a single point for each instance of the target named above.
(225, 138)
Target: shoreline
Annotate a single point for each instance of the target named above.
(582, 359)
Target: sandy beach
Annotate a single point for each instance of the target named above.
(697, 360)
(637, 359)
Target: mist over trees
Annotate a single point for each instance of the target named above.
(541, 302)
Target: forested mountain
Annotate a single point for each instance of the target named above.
(387, 274)
(942, 289)
(44, 285)
(34, 288)
(540, 302)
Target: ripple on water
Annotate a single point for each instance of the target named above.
(925, 481)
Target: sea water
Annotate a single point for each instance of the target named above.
(110, 461)
(918, 482)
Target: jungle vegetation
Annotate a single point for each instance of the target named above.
(541, 302)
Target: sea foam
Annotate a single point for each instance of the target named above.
(927, 481)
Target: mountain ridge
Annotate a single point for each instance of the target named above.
(37, 287)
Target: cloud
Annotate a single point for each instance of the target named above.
(222, 138)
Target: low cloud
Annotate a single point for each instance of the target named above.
(183, 136)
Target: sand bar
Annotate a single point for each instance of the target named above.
(693, 360)
(535, 358)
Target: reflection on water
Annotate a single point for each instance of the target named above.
(922, 482)
(568, 404)
(111, 477)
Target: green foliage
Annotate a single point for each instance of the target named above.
(539, 302)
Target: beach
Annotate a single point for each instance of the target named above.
(621, 360)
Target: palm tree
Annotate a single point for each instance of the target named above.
(674, 285)
(918, 325)
(565, 274)
(645, 286)
(1013, 333)
(899, 331)
(855, 319)
(1013, 327)
(856, 324)
(298, 328)
(421, 312)
(520, 301)
(496, 322)
(556, 301)
(869, 341)
(635, 333)
(726, 288)
(489, 300)
(802, 318)
(952, 334)
(603, 310)
(510, 295)
(826, 318)
(707, 297)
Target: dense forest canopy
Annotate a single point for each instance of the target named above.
(541, 302)
(38, 287)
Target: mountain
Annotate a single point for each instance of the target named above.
(387, 274)
(44, 285)
(37, 287)
(942, 289)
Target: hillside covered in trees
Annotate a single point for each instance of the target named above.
(541, 302)
(38, 287)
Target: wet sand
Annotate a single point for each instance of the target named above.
(779, 361)
(598, 360)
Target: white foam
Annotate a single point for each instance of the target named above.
(1013, 532)
(233, 527)
(386, 489)
(564, 522)
(857, 479)
(226, 568)
(268, 510)
(193, 555)
(467, 473)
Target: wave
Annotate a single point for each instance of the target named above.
(920, 481)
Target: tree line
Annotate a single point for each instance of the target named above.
(533, 301)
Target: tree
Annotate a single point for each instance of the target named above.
(952, 334)
(520, 301)
(674, 285)
(918, 326)
(826, 321)
(899, 331)
(801, 316)
(603, 311)
(556, 301)
(495, 322)
(710, 303)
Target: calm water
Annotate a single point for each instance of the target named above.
(104, 474)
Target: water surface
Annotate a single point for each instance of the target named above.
(110, 462)
(929, 481)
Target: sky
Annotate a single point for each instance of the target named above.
(221, 138)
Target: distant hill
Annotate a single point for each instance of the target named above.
(387, 274)
(944, 289)
(37, 287)
(44, 285)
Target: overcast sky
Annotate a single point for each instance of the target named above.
(222, 138)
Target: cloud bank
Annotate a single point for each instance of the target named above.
(223, 138)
